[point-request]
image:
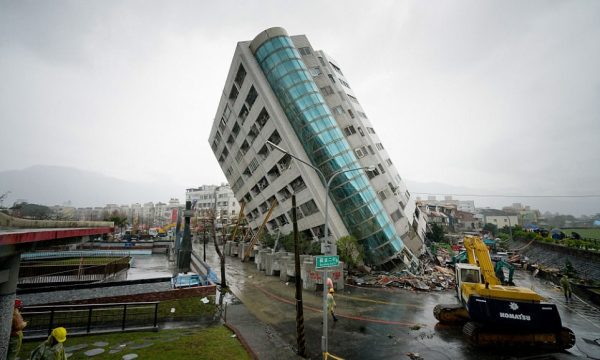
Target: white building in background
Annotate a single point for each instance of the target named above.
(280, 89)
(210, 197)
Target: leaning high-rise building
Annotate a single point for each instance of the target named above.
(280, 89)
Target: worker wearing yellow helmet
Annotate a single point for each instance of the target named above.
(52, 348)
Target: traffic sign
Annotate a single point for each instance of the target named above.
(327, 261)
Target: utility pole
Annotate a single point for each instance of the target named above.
(204, 223)
(185, 250)
(217, 248)
(299, 308)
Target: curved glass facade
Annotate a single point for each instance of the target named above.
(351, 194)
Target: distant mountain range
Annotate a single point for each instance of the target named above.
(57, 185)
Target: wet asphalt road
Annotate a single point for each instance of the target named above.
(388, 323)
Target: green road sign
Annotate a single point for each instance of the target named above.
(327, 261)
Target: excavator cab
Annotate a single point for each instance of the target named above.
(466, 273)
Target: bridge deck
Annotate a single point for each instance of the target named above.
(23, 236)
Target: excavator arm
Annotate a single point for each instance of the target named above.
(478, 254)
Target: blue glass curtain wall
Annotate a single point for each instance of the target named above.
(354, 198)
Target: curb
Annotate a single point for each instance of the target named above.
(242, 340)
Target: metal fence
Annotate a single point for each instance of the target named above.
(92, 318)
(66, 271)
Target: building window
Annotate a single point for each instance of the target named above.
(381, 168)
(251, 97)
(349, 130)
(396, 215)
(338, 110)
(382, 195)
(372, 173)
(331, 78)
(233, 94)
(389, 162)
(379, 146)
(239, 77)
(243, 113)
(336, 68)
(298, 184)
(360, 152)
(222, 125)
(371, 149)
(370, 130)
(304, 50)
(239, 156)
(315, 71)
(344, 83)
(327, 90)
(309, 208)
(238, 184)
(321, 61)
(352, 98)
(284, 194)
(351, 113)
(364, 116)
(253, 165)
(262, 119)
(275, 138)
(226, 113)
(236, 129)
(361, 132)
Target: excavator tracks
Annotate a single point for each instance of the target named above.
(482, 336)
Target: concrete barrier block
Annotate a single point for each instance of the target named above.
(235, 248)
(262, 265)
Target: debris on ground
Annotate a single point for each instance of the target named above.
(414, 356)
(432, 278)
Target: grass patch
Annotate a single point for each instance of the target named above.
(585, 233)
(186, 309)
(190, 343)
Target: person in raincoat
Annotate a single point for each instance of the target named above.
(566, 287)
(16, 332)
(52, 348)
(331, 304)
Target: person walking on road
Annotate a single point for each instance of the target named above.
(16, 332)
(331, 304)
(566, 287)
(52, 348)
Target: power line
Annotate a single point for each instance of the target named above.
(513, 196)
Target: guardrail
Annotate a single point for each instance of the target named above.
(87, 319)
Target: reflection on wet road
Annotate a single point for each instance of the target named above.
(386, 323)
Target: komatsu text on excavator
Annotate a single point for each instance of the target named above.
(500, 315)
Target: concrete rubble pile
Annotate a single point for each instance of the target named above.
(434, 278)
(443, 256)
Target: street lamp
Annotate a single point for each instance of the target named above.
(326, 246)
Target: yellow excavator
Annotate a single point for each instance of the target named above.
(497, 315)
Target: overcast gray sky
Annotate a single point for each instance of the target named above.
(502, 96)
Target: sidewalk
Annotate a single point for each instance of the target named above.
(264, 342)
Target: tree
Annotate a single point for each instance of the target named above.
(491, 228)
(436, 234)
(32, 211)
(304, 246)
(119, 221)
(350, 251)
